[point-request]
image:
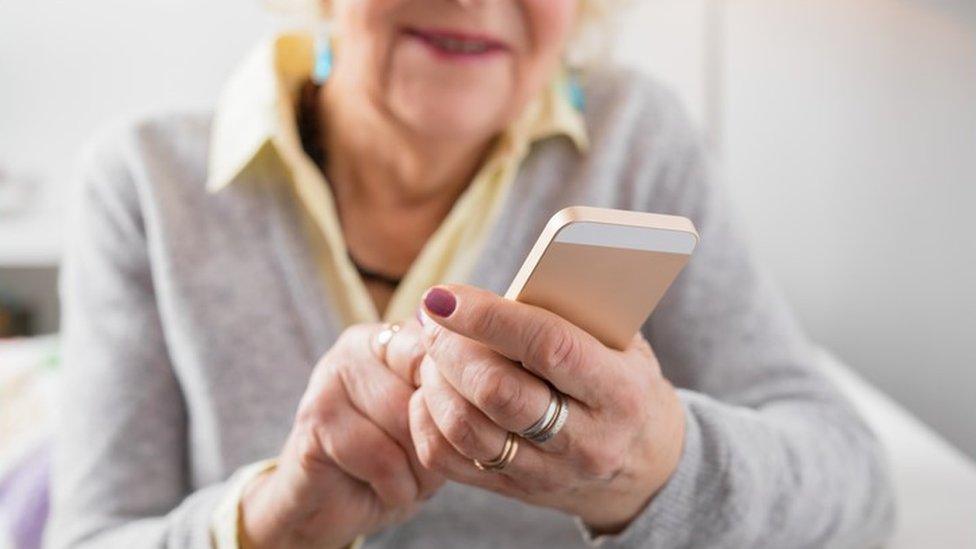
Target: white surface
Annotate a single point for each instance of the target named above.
(935, 484)
(31, 240)
(628, 237)
(850, 143)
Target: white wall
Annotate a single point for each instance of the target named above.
(66, 67)
(668, 39)
(850, 140)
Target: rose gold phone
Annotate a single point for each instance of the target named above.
(604, 270)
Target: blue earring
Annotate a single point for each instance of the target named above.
(323, 58)
(574, 90)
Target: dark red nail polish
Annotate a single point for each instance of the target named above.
(440, 302)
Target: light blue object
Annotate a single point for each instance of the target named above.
(323, 59)
(574, 89)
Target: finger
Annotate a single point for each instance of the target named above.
(545, 343)
(530, 473)
(510, 395)
(437, 454)
(363, 451)
(405, 351)
(468, 430)
(379, 395)
(372, 388)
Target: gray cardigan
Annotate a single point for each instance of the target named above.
(192, 321)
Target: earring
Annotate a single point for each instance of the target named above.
(574, 90)
(323, 57)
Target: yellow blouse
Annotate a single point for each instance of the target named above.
(255, 122)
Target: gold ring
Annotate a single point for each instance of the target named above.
(507, 456)
(383, 339)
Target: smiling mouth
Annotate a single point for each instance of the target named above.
(456, 44)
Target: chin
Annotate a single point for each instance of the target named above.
(441, 116)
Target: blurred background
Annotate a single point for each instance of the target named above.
(846, 130)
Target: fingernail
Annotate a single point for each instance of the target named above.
(419, 313)
(440, 302)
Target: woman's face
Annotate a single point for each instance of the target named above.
(450, 69)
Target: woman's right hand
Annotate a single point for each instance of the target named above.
(349, 465)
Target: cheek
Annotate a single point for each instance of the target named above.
(549, 24)
(363, 34)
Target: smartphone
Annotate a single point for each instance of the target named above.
(604, 270)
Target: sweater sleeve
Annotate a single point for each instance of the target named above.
(773, 455)
(120, 475)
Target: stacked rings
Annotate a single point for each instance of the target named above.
(552, 420)
(504, 458)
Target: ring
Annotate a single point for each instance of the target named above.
(504, 458)
(558, 422)
(384, 337)
(552, 421)
(533, 430)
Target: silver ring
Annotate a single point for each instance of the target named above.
(547, 417)
(557, 424)
(383, 339)
(552, 421)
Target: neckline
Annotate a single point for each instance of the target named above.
(310, 135)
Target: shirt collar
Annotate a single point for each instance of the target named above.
(256, 109)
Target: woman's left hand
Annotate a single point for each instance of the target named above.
(483, 376)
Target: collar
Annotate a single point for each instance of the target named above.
(257, 108)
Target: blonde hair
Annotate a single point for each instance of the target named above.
(589, 44)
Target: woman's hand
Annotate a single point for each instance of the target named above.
(483, 376)
(348, 466)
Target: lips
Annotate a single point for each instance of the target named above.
(457, 44)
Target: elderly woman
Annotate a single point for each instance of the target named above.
(230, 381)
